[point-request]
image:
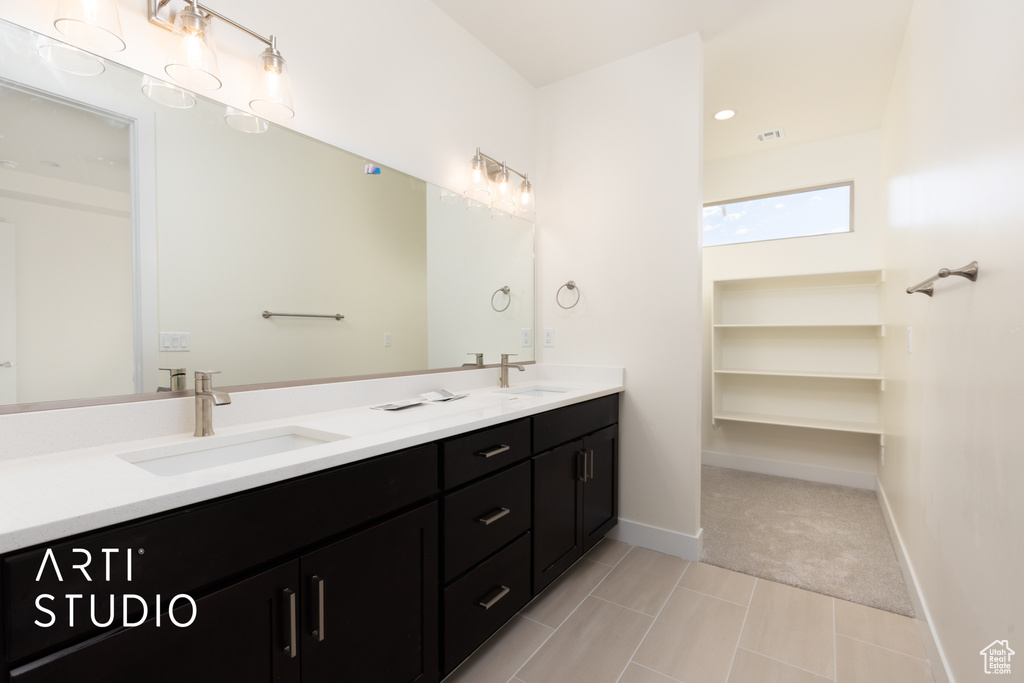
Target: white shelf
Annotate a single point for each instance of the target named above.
(797, 373)
(799, 351)
(809, 423)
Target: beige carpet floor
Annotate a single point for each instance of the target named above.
(821, 537)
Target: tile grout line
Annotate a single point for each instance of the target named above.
(552, 634)
(715, 597)
(671, 678)
(653, 621)
(883, 647)
(743, 626)
(786, 664)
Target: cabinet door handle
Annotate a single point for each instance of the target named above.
(291, 624)
(494, 516)
(494, 451)
(581, 466)
(318, 586)
(590, 459)
(502, 591)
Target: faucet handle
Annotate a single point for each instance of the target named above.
(479, 358)
(176, 381)
(504, 356)
(205, 374)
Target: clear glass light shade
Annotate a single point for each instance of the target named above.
(272, 91)
(68, 58)
(90, 24)
(193, 59)
(167, 94)
(479, 184)
(526, 195)
(244, 121)
(503, 191)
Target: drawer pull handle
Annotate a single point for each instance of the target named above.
(318, 632)
(502, 592)
(494, 516)
(291, 649)
(494, 451)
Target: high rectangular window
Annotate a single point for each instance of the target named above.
(812, 211)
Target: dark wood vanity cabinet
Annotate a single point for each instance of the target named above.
(486, 514)
(391, 570)
(332, 573)
(575, 484)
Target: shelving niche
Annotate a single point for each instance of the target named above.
(801, 351)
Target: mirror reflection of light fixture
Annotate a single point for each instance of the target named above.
(69, 58)
(488, 174)
(167, 94)
(193, 62)
(244, 121)
(90, 24)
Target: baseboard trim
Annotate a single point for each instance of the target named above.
(662, 540)
(793, 470)
(936, 655)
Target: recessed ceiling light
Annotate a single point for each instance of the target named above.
(725, 114)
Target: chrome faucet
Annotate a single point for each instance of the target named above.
(206, 399)
(505, 365)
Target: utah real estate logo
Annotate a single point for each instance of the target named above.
(997, 657)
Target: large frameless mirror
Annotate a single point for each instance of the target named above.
(136, 236)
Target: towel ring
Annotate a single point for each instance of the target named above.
(571, 286)
(507, 292)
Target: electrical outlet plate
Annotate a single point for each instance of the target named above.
(527, 336)
(549, 337)
(387, 339)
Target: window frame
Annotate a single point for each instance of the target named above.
(784, 193)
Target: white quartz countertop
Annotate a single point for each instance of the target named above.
(50, 496)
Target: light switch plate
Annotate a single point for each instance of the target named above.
(175, 341)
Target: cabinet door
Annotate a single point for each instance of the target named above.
(557, 511)
(239, 634)
(370, 607)
(600, 492)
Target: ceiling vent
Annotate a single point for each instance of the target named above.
(770, 135)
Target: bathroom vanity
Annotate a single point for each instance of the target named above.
(389, 568)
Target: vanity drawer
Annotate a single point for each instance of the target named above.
(187, 551)
(483, 517)
(556, 427)
(478, 604)
(474, 455)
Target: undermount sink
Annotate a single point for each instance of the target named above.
(203, 453)
(541, 391)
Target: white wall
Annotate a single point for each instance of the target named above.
(394, 80)
(788, 451)
(620, 150)
(953, 149)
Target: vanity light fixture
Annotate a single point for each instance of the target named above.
(490, 176)
(193, 61)
(90, 24)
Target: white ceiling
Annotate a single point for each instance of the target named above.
(816, 68)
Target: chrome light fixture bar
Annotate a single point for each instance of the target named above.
(194, 62)
(489, 176)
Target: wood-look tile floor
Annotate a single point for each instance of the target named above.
(626, 614)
